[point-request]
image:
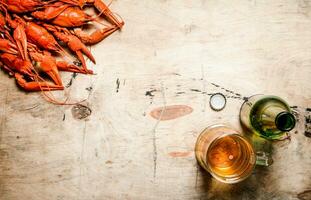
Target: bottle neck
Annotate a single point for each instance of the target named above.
(279, 118)
(285, 121)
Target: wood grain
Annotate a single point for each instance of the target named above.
(169, 53)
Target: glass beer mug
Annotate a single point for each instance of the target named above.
(267, 116)
(226, 154)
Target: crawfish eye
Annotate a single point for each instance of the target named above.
(37, 65)
(77, 63)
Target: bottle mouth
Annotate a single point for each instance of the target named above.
(285, 121)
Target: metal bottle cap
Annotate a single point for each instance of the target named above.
(218, 101)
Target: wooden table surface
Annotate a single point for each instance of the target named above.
(169, 58)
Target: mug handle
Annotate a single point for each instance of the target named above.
(263, 159)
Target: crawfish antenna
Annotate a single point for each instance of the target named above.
(64, 53)
(48, 96)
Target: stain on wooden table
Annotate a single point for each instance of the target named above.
(133, 136)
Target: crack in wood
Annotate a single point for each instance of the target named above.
(203, 88)
(234, 95)
(89, 89)
(150, 93)
(73, 76)
(118, 85)
(81, 160)
(154, 142)
(30, 108)
(196, 177)
(195, 90)
(305, 195)
(308, 123)
(2, 129)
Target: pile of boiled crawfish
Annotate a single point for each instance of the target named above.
(34, 32)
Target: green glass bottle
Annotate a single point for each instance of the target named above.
(268, 116)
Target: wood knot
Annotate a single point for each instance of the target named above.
(80, 111)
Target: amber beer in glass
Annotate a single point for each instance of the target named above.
(225, 154)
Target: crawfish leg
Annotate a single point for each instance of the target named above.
(2, 23)
(8, 47)
(79, 3)
(10, 71)
(54, 75)
(96, 36)
(82, 60)
(51, 11)
(75, 44)
(35, 86)
(103, 8)
(21, 41)
(64, 66)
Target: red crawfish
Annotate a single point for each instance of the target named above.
(101, 7)
(22, 6)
